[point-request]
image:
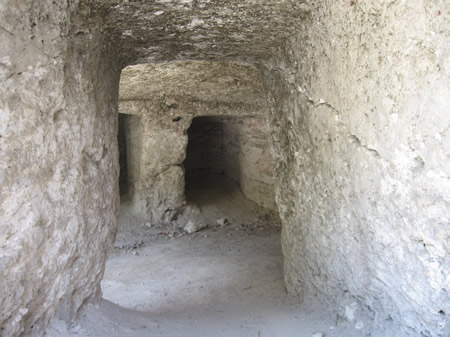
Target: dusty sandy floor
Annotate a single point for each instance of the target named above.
(223, 281)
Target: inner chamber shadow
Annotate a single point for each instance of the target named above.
(212, 166)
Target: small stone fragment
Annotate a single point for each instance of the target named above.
(192, 228)
(222, 222)
(359, 325)
(318, 334)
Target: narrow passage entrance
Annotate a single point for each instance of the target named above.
(212, 165)
(222, 279)
(229, 155)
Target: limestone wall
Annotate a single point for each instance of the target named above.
(248, 159)
(58, 164)
(360, 124)
(159, 191)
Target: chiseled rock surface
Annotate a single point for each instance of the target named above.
(362, 146)
(199, 81)
(58, 165)
(358, 97)
(149, 31)
(249, 159)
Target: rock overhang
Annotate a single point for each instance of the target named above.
(161, 31)
(196, 81)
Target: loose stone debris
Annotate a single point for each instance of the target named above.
(222, 222)
(194, 227)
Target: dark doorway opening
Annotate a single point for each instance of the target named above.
(229, 150)
(124, 187)
(212, 160)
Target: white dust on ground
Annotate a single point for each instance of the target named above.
(223, 281)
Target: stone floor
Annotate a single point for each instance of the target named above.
(223, 281)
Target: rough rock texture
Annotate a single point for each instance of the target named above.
(227, 83)
(167, 30)
(165, 98)
(58, 164)
(358, 92)
(248, 159)
(360, 126)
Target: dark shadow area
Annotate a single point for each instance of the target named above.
(124, 187)
(205, 150)
(210, 158)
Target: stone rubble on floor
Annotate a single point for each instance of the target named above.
(192, 227)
